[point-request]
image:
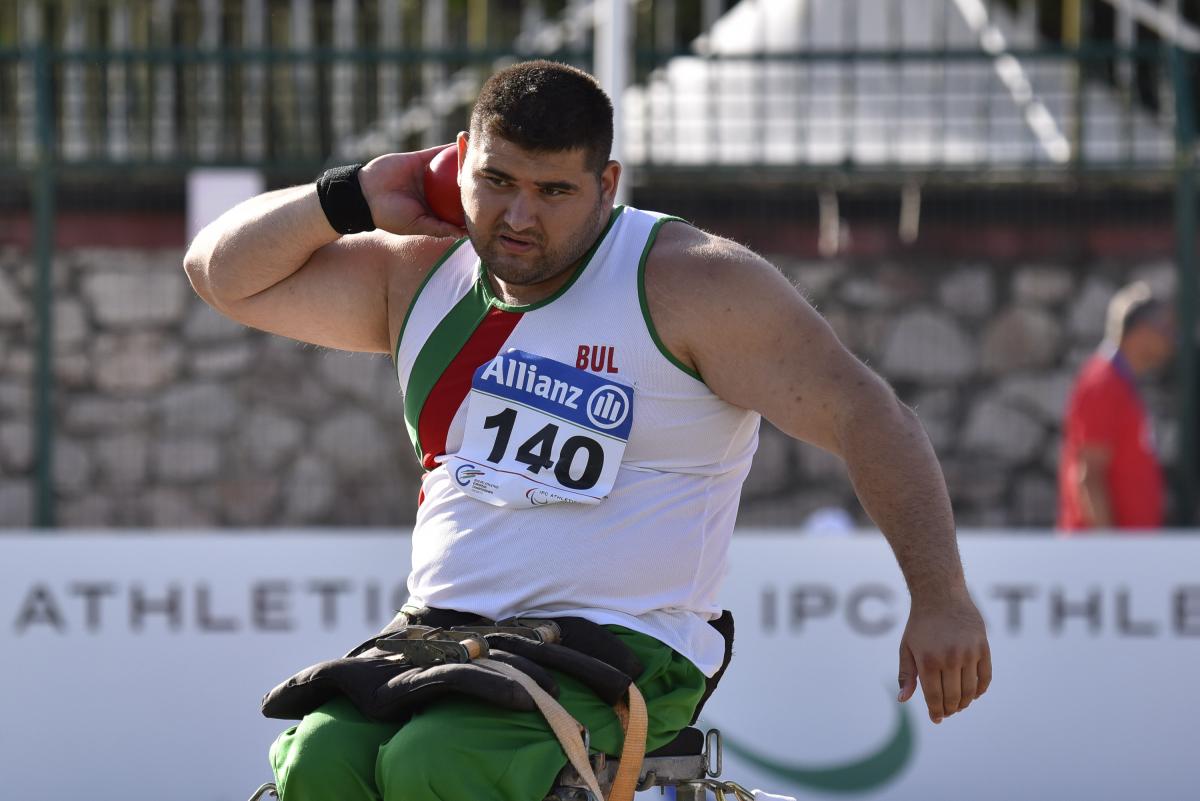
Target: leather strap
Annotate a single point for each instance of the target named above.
(566, 728)
(634, 721)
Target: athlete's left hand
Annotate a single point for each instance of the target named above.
(946, 646)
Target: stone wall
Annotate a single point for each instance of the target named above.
(984, 353)
(168, 415)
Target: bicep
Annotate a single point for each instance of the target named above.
(762, 346)
(338, 299)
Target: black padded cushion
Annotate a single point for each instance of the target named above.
(724, 625)
(689, 742)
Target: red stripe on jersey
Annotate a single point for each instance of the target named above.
(455, 381)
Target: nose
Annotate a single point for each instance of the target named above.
(519, 214)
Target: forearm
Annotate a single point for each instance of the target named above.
(257, 244)
(900, 484)
(1094, 495)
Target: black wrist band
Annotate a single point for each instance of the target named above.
(342, 200)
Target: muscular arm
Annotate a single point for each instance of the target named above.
(759, 345)
(1093, 487)
(275, 263)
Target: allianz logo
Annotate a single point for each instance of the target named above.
(607, 406)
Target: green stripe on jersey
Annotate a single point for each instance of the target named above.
(412, 303)
(641, 282)
(438, 351)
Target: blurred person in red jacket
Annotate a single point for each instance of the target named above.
(1109, 476)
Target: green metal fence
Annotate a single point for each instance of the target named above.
(754, 119)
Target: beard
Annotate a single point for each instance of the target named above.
(545, 262)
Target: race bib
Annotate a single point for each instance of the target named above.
(540, 432)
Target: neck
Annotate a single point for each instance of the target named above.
(526, 294)
(1133, 357)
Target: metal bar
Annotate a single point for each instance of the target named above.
(43, 210)
(1183, 64)
(119, 88)
(1166, 23)
(163, 144)
(29, 34)
(434, 21)
(75, 95)
(391, 42)
(477, 24)
(1072, 35)
(210, 106)
(1092, 51)
(1007, 66)
(345, 73)
(611, 66)
(304, 79)
(254, 82)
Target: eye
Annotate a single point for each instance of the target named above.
(551, 191)
(495, 181)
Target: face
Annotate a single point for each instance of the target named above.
(1159, 334)
(531, 215)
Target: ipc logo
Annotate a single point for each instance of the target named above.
(608, 406)
(465, 473)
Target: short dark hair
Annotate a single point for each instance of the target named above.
(547, 106)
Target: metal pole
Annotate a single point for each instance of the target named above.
(612, 56)
(43, 211)
(1072, 36)
(1185, 255)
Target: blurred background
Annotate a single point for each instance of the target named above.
(959, 187)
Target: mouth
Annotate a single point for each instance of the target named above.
(516, 244)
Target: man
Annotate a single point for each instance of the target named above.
(1109, 476)
(617, 507)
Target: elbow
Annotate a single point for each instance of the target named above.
(878, 401)
(197, 265)
(877, 414)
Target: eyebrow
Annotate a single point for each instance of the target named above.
(565, 185)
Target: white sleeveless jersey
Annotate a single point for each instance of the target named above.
(604, 486)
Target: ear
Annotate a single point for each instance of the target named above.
(461, 141)
(610, 178)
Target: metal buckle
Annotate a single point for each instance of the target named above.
(422, 646)
(712, 747)
(720, 789)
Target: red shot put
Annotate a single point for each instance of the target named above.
(442, 192)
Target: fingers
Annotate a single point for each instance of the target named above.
(970, 684)
(931, 686)
(428, 225)
(428, 154)
(908, 674)
(952, 694)
(985, 671)
(951, 686)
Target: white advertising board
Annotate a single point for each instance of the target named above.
(131, 667)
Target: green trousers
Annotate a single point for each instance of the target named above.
(466, 750)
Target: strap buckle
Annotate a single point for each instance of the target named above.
(423, 646)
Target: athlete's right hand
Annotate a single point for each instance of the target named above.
(394, 186)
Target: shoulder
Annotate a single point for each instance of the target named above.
(1098, 376)
(1100, 393)
(704, 291)
(691, 273)
(685, 254)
